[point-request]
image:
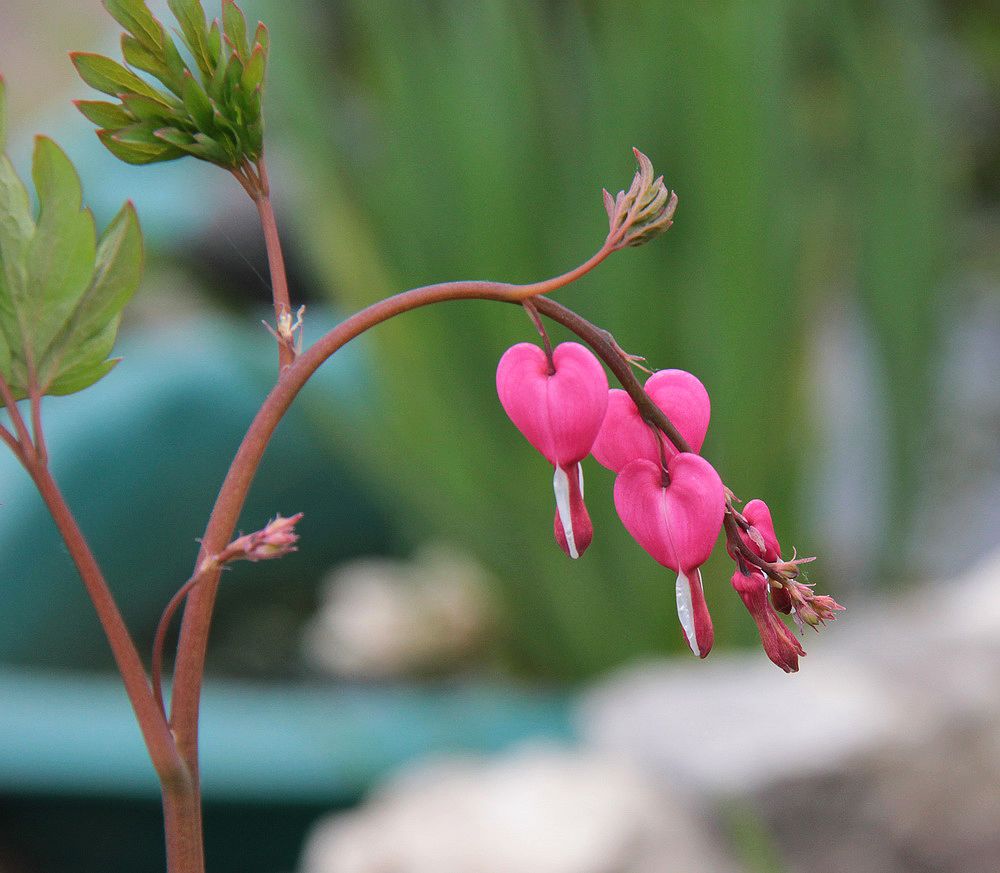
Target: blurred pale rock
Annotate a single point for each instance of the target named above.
(383, 619)
(536, 811)
(881, 756)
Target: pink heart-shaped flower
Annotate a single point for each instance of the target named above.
(559, 413)
(624, 436)
(677, 524)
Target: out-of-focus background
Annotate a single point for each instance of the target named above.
(832, 277)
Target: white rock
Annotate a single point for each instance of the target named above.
(536, 811)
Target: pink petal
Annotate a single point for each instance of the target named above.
(560, 414)
(679, 524)
(692, 611)
(625, 436)
(572, 525)
(758, 514)
(779, 642)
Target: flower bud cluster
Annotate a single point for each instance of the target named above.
(644, 211)
(275, 540)
(767, 585)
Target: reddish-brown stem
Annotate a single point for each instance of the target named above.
(536, 320)
(156, 665)
(36, 426)
(154, 727)
(12, 443)
(276, 261)
(605, 347)
(189, 666)
(20, 428)
(182, 826)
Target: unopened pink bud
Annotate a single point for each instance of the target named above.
(778, 640)
(275, 540)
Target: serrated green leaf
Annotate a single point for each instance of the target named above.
(83, 355)
(82, 377)
(104, 114)
(197, 103)
(191, 17)
(110, 77)
(253, 73)
(136, 18)
(137, 153)
(17, 226)
(60, 260)
(235, 25)
(88, 335)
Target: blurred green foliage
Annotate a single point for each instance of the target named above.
(442, 140)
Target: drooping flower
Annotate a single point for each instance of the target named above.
(676, 515)
(625, 435)
(777, 638)
(558, 406)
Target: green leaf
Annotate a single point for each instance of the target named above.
(262, 36)
(234, 74)
(115, 279)
(61, 255)
(197, 103)
(89, 334)
(110, 77)
(202, 147)
(140, 57)
(103, 114)
(133, 152)
(144, 109)
(191, 17)
(214, 44)
(235, 25)
(16, 229)
(253, 73)
(82, 377)
(175, 66)
(136, 18)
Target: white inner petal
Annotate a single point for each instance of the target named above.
(560, 484)
(685, 612)
(579, 469)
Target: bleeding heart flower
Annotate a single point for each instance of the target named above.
(559, 408)
(625, 436)
(676, 518)
(779, 642)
